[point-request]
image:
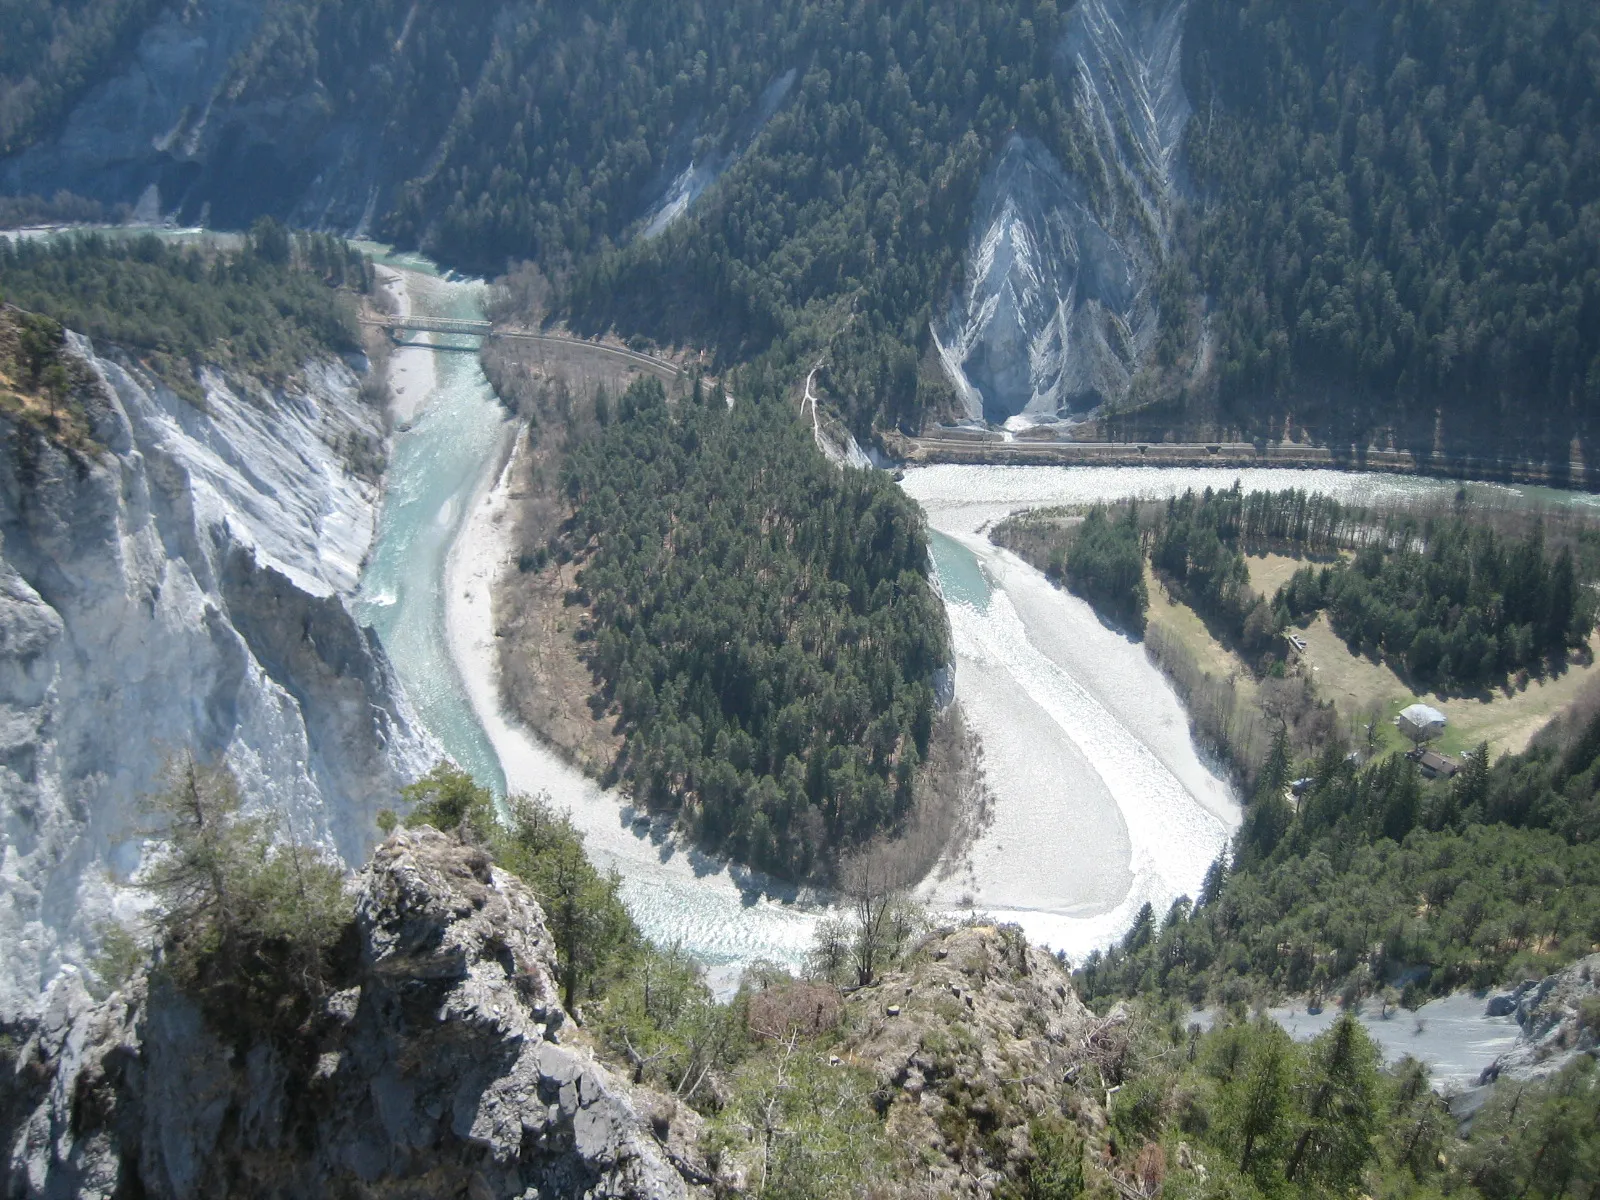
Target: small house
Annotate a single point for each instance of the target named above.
(1435, 765)
(1421, 722)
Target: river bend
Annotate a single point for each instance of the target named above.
(1102, 802)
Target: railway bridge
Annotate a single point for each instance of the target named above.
(399, 325)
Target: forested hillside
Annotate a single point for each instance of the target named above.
(1457, 604)
(53, 50)
(263, 309)
(841, 231)
(836, 234)
(1389, 226)
(1378, 875)
(763, 621)
(1403, 215)
(1444, 596)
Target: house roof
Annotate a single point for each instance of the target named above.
(1439, 764)
(1423, 714)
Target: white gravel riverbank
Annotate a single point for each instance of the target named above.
(724, 915)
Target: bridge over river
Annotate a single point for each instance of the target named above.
(398, 325)
(667, 372)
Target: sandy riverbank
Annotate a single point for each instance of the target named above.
(1100, 802)
(723, 914)
(412, 377)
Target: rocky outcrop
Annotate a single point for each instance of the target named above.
(1560, 1019)
(184, 588)
(1058, 311)
(979, 1032)
(445, 1067)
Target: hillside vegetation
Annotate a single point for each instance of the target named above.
(1402, 217)
(837, 231)
(763, 625)
(262, 310)
(1370, 876)
(1399, 208)
(1366, 874)
(1391, 230)
(53, 51)
(1456, 598)
(42, 385)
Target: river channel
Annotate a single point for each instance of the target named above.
(1102, 802)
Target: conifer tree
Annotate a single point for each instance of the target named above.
(247, 917)
(1256, 1102)
(1269, 816)
(1337, 1116)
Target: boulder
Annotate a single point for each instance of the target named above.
(1501, 1006)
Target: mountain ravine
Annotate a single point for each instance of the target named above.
(1057, 313)
(183, 589)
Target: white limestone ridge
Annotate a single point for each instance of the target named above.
(184, 589)
(1057, 311)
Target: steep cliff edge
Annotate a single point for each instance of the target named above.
(444, 1066)
(970, 1041)
(182, 589)
(1560, 1019)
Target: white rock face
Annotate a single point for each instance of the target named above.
(1057, 312)
(691, 182)
(184, 590)
(1128, 56)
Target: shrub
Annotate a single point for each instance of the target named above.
(246, 923)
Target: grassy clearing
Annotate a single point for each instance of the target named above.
(1507, 718)
(1184, 624)
(1356, 685)
(1269, 572)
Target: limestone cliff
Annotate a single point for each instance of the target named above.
(1058, 312)
(182, 588)
(444, 1067)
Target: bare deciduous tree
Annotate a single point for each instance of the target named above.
(876, 883)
